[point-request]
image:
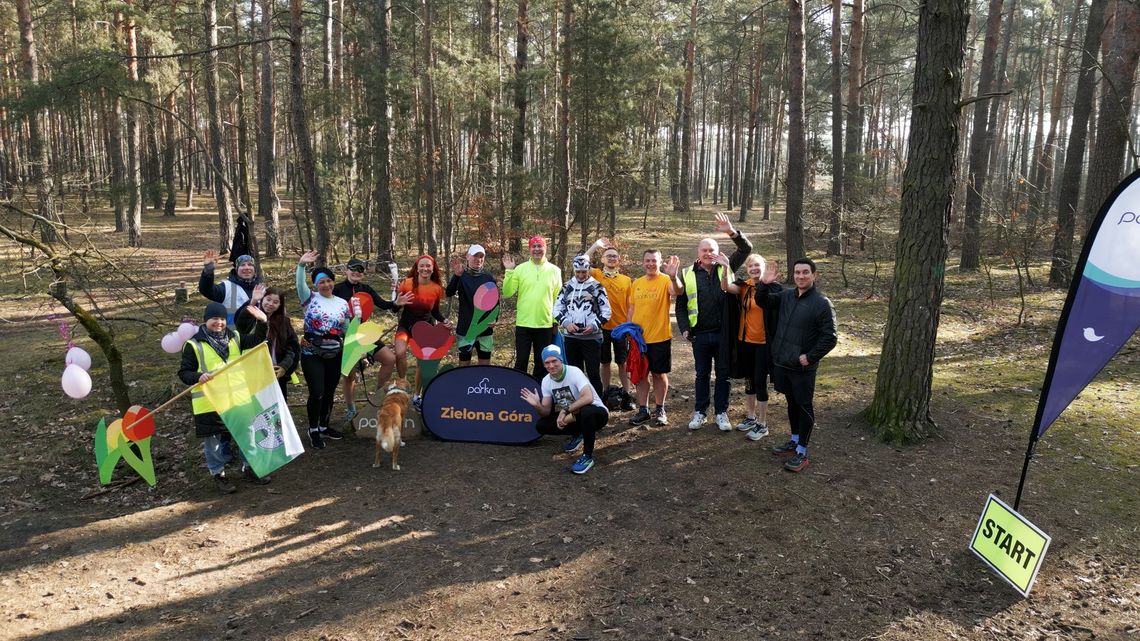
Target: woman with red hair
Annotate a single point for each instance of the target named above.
(425, 284)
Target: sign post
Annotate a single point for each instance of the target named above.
(1008, 543)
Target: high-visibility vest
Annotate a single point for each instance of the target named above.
(690, 278)
(235, 299)
(208, 361)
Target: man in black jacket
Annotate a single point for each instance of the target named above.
(236, 290)
(702, 320)
(804, 334)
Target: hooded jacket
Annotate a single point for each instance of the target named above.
(585, 304)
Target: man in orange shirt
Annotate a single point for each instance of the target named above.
(649, 309)
(617, 286)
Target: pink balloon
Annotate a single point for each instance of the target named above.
(78, 356)
(171, 343)
(186, 331)
(76, 381)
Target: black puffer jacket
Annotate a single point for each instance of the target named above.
(806, 325)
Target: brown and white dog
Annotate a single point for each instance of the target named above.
(389, 420)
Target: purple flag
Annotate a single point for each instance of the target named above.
(1102, 310)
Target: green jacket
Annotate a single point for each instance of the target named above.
(537, 287)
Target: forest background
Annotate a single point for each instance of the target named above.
(918, 149)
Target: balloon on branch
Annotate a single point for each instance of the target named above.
(172, 343)
(76, 381)
(187, 330)
(78, 356)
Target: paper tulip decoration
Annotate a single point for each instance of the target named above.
(486, 301)
(430, 344)
(78, 356)
(127, 438)
(358, 341)
(76, 381)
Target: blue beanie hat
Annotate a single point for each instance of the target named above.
(553, 350)
(214, 310)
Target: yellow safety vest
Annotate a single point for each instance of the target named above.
(208, 361)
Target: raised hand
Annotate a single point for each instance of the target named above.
(724, 225)
(209, 258)
(722, 259)
(456, 265)
(508, 261)
(309, 257)
(672, 266)
(405, 298)
(531, 397)
(771, 271)
(258, 292)
(256, 312)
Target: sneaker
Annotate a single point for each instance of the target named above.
(722, 422)
(628, 405)
(315, 439)
(659, 416)
(350, 413)
(572, 444)
(697, 421)
(331, 432)
(758, 431)
(748, 423)
(797, 463)
(640, 418)
(252, 476)
(224, 485)
(787, 449)
(583, 464)
(418, 403)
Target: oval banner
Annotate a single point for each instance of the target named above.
(480, 404)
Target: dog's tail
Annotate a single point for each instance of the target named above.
(386, 444)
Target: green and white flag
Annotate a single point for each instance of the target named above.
(246, 395)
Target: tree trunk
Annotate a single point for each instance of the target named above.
(518, 134)
(836, 218)
(242, 124)
(169, 155)
(1106, 160)
(302, 137)
(560, 212)
(686, 170)
(797, 143)
(900, 410)
(484, 165)
(218, 157)
(853, 149)
(431, 150)
(386, 243)
(37, 154)
(750, 157)
(980, 147)
(268, 204)
(134, 142)
(1061, 268)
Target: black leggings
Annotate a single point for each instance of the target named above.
(589, 420)
(528, 341)
(585, 355)
(322, 376)
(756, 380)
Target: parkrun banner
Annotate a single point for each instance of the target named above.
(480, 404)
(1102, 310)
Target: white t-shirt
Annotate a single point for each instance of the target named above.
(567, 390)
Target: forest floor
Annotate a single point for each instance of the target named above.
(673, 535)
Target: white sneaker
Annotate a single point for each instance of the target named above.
(758, 432)
(722, 422)
(697, 421)
(748, 423)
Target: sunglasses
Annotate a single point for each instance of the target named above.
(356, 270)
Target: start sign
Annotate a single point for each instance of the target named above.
(1008, 543)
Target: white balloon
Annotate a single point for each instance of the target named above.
(78, 356)
(186, 331)
(76, 381)
(171, 343)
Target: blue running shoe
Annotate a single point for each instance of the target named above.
(572, 444)
(583, 464)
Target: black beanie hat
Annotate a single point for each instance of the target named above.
(214, 310)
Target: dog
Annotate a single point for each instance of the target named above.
(389, 419)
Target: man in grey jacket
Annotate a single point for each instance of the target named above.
(805, 334)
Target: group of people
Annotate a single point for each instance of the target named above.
(568, 335)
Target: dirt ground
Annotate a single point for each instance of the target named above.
(673, 535)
